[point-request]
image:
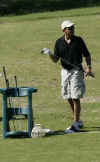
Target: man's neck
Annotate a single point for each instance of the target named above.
(67, 39)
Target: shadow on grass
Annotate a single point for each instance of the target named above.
(84, 130)
(53, 133)
(92, 129)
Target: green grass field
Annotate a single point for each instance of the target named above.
(21, 40)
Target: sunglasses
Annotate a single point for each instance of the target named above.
(70, 28)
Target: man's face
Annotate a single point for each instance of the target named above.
(69, 31)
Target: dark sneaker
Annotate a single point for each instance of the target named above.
(80, 124)
(74, 128)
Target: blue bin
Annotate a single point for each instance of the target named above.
(8, 112)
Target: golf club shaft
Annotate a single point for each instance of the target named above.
(76, 67)
(15, 78)
(5, 76)
(7, 85)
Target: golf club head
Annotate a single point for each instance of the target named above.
(89, 74)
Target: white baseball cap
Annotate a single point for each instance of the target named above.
(66, 24)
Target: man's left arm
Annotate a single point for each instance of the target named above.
(88, 70)
(86, 54)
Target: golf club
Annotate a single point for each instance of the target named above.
(47, 51)
(5, 77)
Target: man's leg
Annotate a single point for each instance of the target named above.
(75, 107)
(71, 103)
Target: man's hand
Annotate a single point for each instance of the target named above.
(88, 72)
(46, 51)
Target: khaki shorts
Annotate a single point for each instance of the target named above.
(72, 84)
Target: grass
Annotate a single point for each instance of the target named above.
(21, 40)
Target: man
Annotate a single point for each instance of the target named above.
(71, 49)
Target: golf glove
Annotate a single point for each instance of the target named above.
(46, 51)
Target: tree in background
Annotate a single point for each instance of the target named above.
(28, 6)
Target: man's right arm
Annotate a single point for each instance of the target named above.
(53, 58)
